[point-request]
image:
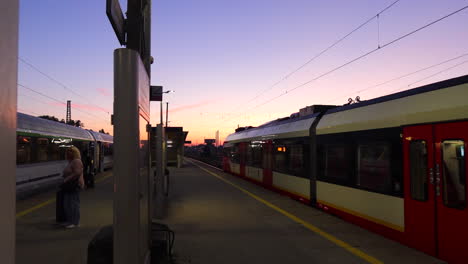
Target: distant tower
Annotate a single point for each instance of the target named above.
(217, 138)
(68, 111)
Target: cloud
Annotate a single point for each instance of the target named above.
(104, 91)
(191, 106)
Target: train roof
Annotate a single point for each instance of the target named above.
(281, 128)
(436, 102)
(102, 137)
(35, 125)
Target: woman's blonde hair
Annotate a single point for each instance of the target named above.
(75, 152)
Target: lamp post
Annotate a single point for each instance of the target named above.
(160, 163)
(167, 112)
(161, 104)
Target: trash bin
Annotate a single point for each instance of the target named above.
(100, 249)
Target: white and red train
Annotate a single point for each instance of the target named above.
(395, 165)
(40, 152)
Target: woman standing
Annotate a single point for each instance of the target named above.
(72, 183)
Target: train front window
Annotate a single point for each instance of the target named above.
(454, 174)
(418, 170)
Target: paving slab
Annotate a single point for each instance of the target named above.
(39, 240)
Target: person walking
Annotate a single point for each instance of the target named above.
(72, 183)
(87, 169)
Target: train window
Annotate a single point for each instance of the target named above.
(79, 145)
(54, 151)
(254, 154)
(289, 157)
(23, 150)
(235, 156)
(373, 167)
(336, 164)
(281, 158)
(418, 170)
(454, 173)
(42, 144)
(296, 160)
(226, 151)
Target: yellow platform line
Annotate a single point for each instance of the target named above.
(36, 207)
(103, 178)
(331, 238)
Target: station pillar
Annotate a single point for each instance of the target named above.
(132, 183)
(8, 95)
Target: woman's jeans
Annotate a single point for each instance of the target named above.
(71, 202)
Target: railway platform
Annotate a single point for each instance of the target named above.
(39, 240)
(217, 218)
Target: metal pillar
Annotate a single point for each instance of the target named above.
(160, 199)
(139, 29)
(167, 112)
(8, 93)
(131, 159)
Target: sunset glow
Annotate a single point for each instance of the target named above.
(236, 63)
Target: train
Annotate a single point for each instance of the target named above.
(395, 165)
(40, 152)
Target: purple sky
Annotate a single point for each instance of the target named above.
(218, 55)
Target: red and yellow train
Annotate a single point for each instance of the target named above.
(395, 165)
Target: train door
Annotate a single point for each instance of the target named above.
(419, 192)
(435, 197)
(450, 177)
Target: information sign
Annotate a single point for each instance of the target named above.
(116, 18)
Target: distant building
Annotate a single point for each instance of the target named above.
(175, 139)
(210, 141)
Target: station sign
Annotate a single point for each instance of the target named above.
(117, 19)
(156, 93)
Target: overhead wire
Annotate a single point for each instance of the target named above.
(437, 73)
(32, 97)
(40, 101)
(399, 77)
(432, 75)
(59, 101)
(28, 112)
(323, 51)
(355, 59)
(365, 55)
(59, 83)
